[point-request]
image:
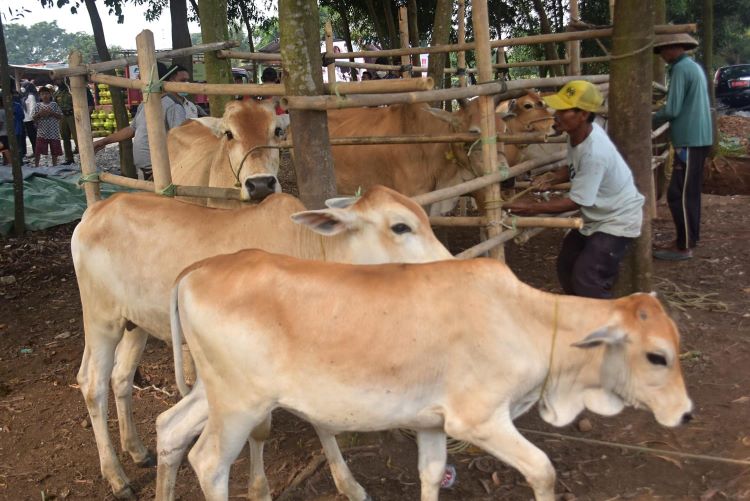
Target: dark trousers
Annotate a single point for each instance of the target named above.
(684, 196)
(21, 138)
(588, 266)
(31, 133)
(68, 132)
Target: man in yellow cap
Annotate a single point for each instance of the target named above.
(602, 187)
(689, 115)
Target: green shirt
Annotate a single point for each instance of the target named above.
(687, 108)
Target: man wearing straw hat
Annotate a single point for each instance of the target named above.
(602, 187)
(688, 112)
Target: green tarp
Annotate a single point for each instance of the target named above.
(48, 201)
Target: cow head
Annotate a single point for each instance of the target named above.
(640, 364)
(244, 158)
(527, 113)
(381, 226)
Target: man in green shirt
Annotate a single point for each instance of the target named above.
(688, 112)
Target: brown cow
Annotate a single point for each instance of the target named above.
(365, 348)
(528, 113)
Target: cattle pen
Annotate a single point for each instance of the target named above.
(498, 227)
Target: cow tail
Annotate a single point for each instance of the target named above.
(174, 317)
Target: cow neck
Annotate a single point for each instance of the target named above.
(552, 348)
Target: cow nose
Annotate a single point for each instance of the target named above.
(687, 417)
(259, 187)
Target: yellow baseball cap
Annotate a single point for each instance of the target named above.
(576, 94)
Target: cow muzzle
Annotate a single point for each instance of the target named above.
(259, 187)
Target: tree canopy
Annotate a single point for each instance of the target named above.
(45, 41)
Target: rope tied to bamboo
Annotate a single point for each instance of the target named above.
(461, 71)
(648, 46)
(494, 203)
(169, 191)
(406, 67)
(88, 178)
(156, 87)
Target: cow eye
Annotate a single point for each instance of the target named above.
(400, 228)
(656, 359)
(229, 134)
(279, 132)
(528, 106)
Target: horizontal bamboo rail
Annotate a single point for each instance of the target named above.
(180, 191)
(512, 221)
(250, 56)
(466, 137)
(554, 161)
(506, 90)
(508, 42)
(659, 130)
(371, 87)
(559, 186)
(127, 61)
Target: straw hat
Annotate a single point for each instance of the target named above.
(687, 42)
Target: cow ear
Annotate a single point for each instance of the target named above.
(212, 123)
(511, 106)
(606, 335)
(443, 115)
(326, 222)
(341, 202)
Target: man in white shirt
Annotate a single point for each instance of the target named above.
(602, 187)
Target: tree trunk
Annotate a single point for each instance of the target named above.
(127, 167)
(213, 15)
(347, 34)
(411, 14)
(19, 220)
(249, 28)
(376, 22)
(390, 24)
(178, 13)
(550, 54)
(630, 125)
(300, 54)
(441, 30)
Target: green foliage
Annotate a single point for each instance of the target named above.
(730, 146)
(45, 42)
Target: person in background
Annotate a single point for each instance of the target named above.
(30, 98)
(4, 145)
(64, 100)
(602, 187)
(177, 109)
(271, 76)
(18, 125)
(366, 75)
(47, 115)
(689, 115)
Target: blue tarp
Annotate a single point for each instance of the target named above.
(48, 201)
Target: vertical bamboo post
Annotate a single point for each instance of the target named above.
(461, 55)
(611, 11)
(500, 59)
(574, 46)
(492, 197)
(157, 132)
(331, 68)
(403, 34)
(83, 130)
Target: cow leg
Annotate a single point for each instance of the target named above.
(499, 437)
(220, 444)
(432, 458)
(127, 357)
(258, 488)
(176, 429)
(95, 371)
(342, 476)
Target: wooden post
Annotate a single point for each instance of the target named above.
(331, 68)
(403, 34)
(461, 55)
(492, 196)
(574, 46)
(83, 130)
(157, 132)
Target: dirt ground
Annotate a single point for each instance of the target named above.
(47, 448)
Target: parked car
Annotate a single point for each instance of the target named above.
(732, 85)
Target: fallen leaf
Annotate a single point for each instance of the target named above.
(741, 400)
(670, 460)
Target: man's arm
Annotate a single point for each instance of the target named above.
(675, 98)
(548, 179)
(116, 137)
(555, 206)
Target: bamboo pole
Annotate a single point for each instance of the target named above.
(403, 33)
(508, 42)
(83, 131)
(491, 193)
(460, 137)
(513, 221)
(367, 87)
(574, 46)
(461, 55)
(157, 133)
(248, 56)
(82, 69)
(559, 186)
(331, 68)
(507, 90)
(554, 161)
(180, 191)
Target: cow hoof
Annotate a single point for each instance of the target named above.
(149, 461)
(124, 493)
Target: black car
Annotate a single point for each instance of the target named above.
(733, 85)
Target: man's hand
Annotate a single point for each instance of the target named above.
(543, 182)
(520, 208)
(99, 145)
